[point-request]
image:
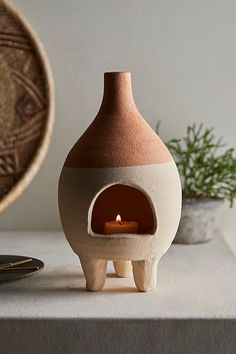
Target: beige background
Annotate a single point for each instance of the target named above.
(182, 55)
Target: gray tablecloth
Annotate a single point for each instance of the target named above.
(192, 311)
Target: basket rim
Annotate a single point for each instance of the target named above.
(44, 141)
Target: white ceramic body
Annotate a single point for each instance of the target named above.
(79, 188)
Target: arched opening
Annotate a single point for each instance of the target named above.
(129, 202)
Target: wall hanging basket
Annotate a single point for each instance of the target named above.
(26, 104)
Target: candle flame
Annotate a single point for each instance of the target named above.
(118, 218)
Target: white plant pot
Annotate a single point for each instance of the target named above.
(198, 220)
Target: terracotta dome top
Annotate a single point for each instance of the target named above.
(118, 136)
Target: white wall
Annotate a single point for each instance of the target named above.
(182, 55)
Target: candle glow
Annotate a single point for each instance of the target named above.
(118, 219)
(120, 227)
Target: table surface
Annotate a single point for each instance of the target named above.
(194, 281)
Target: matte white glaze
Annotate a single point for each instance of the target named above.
(78, 188)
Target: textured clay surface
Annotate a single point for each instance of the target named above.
(119, 166)
(118, 136)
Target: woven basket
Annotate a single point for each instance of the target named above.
(26, 104)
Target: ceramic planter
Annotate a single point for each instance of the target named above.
(198, 220)
(119, 166)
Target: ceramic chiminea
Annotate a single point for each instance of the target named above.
(119, 192)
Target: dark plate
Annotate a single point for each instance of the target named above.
(11, 274)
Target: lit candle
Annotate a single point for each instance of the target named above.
(120, 227)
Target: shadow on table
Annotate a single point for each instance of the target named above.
(60, 282)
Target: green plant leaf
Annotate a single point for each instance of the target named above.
(205, 169)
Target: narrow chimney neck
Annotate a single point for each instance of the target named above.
(117, 91)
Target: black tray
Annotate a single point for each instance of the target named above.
(17, 274)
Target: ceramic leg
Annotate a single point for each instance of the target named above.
(94, 272)
(123, 268)
(145, 274)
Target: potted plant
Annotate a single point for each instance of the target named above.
(208, 176)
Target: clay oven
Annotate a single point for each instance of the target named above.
(119, 168)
